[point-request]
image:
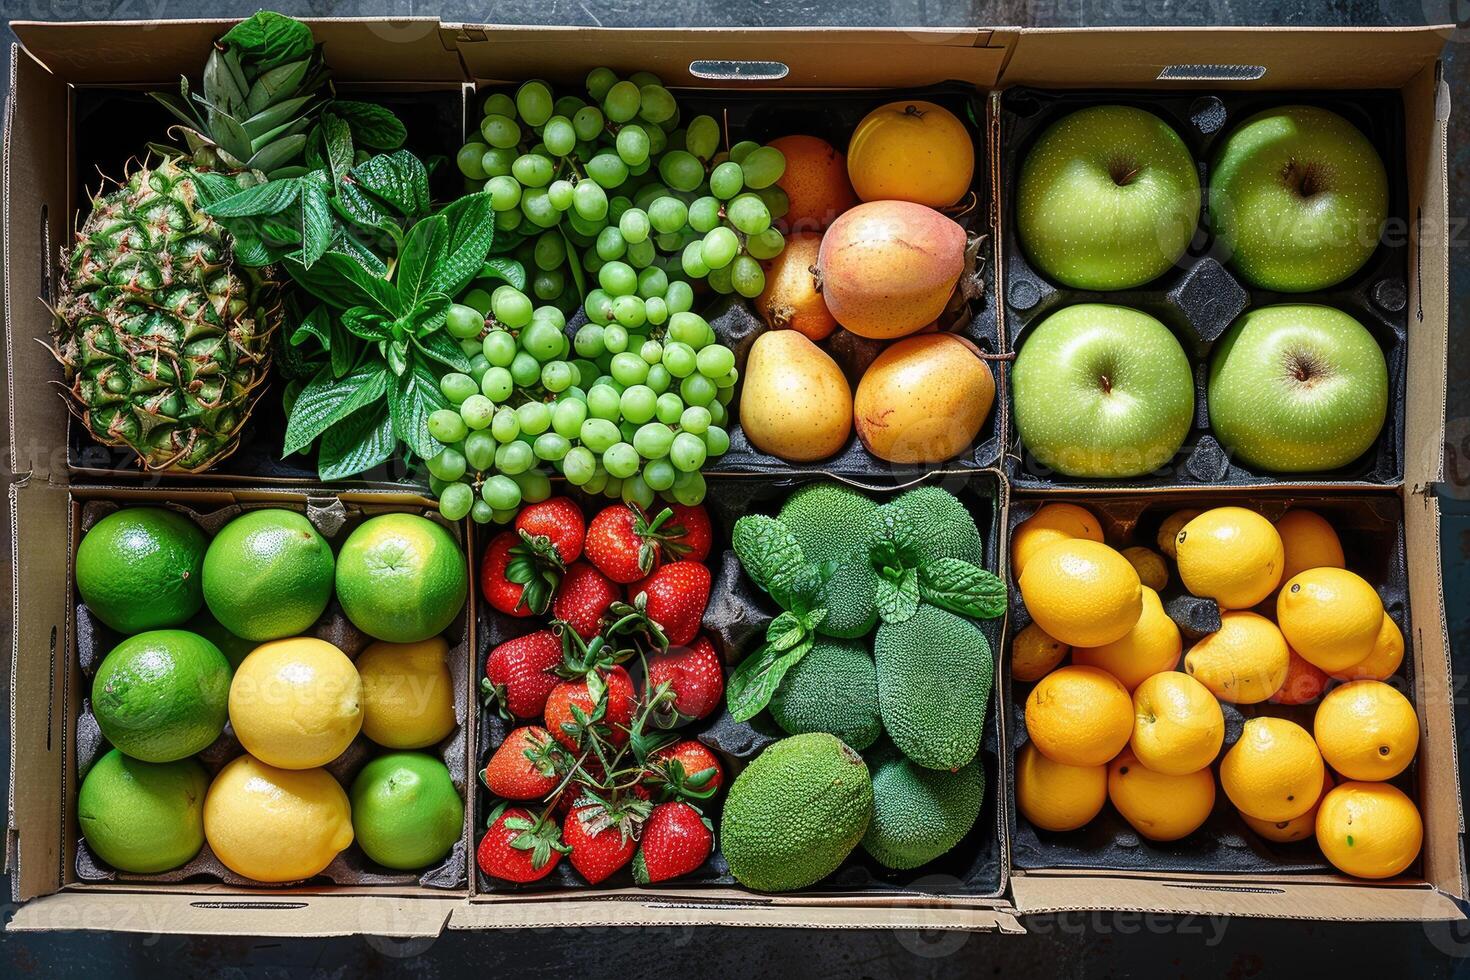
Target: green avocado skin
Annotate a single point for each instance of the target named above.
(919, 814)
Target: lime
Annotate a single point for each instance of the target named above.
(275, 824)
(234, 648)
(143, 817)
(401, 578)
(405, 810)
(268, 574)
(162, 695)
(139, 569)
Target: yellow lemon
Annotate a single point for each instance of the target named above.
(1366, 730)
(1178, 726)
(1152, 645)
(1231, 555)
(1308, 541)
(1273, 771)
(407, 693)
(1056, 796)
(274, 824)
(1081, 716)
(1169, 530)
(1369, 830)
(1295, 829)
(1384, 661)
(1245, 661)
(1034, 653)
(1160, 806)
(1082, 592)
(1149, 565)
(296, 703)
(1330, 616)
(1051, 523)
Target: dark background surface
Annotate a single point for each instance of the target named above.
(1075, 945)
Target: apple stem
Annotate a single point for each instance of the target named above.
(913, 110)
(1107, 384)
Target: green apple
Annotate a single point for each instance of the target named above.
(1108, 199)
(1298, 198)
(1102, 391)
(1297, 388)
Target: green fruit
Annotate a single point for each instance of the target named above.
(401, 578)
(834, 689)
(233, 647)
(834, 523)
(919, 814)
(942, 528)
(268, 575)
(796, 812)
(143, 817)
(139, 569)
(406, 813)
(162, 695)
(934, 677)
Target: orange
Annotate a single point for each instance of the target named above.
(1304, 683)
(1384, 661)
(1051, 523)
(1231, 555)
(1034, 654)
(1295, 829)
(1330, 616)
(1159, 806)
(1173, 524)
(1152, 645)
(1369, 830)
(1308, 541)
(911, 151)
(1080, 716)
(1082, 592)
(1273, 771)
(815, 182)
(1245, 661)
(1056, 796)
(1178, 726)
(1150, 567)
(1366, 730)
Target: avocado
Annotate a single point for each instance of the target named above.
(834, 688)
(919, 814)
(934, 678)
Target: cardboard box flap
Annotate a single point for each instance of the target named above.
(409, 49)
(1259, 57)
(789, 57)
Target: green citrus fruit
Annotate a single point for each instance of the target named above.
(268, 574)
(139, 569)
(162, 695)
(143, 817)
(401, 578)
(233, 647)
(406, 812)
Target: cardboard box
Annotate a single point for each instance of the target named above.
(56, 61)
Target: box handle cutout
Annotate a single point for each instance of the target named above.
(250, 906)
(1211, 73)
(739, 71)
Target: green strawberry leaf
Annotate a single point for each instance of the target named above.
(752, 683)
(960, 587)
(898, 598)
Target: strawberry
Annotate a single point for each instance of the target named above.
(559, 521)
(676, 840)
(677, 594)
(616, 546)
(525, 765)
(687, 769)
(503, 594)
(695, 679)
(687, 533)
(519, 847)
(603, 837)
(583, 599)
(604, 699)
(520, 673)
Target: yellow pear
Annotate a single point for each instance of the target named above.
(796, 402)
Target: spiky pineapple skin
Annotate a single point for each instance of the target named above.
(164, 337)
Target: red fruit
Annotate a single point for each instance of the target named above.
(688, 768)
(687, 533)
(602, 837)
(520, 673)
(676, 840)
(559, 520)
(677, 594)
(517, 848)
(501, 592)
(616, 546)
(583, 599)
(604, 697)
(694, 675)
(525, 765)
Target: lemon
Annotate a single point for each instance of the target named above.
(1050, 524)
(1149, 565)
(1330, 616)
(1178, 726)
(1152, 645)
(1081, 716)
(1081, 592)
(1273, 771)
(1370, 830)
(1366, 730)
(274, 824)
(407, 693)
(1308, 541)
(1034, 653)
(1231, 555)
(1169, 530)
(1295, 829)
(1245, 661)
(1056, 796)
(1384, 661)
(1160, 806)
(296, 703)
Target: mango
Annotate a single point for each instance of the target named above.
(911, 151)
(796, 402)
(924, 399)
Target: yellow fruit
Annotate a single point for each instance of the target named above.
(1082, 592)
(1384, 661)
(924, 399)
(1274, 771)
(1169, 530)
(1160, 806)
(1245, 661)
(274, 824)
(407, 693)
(296, 703)
(1369, 830)
(1080, 716)
(911, 151)
(1056, 796)
(1308, 541)
(1152, 645)
(1034, 654)
(1178, 727)
(1149, 565)
(1051, 523)
(796, 402)
(1295, 829)
(1231, 555)
(1366, 730)
(1330, 616)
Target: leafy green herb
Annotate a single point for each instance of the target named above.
(960, 587)
(897, 597)
(752, 684)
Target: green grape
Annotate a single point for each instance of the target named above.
(670, 409)
(567, 105)
(634, 226)
(482, 513)
(548, 285)
(478, 300)
(679, 359)
(614, 339)
(653, 439)
(651, 352)
(448, 465)
(516, 457)
(618, 278)
(614, 488)
(766, 245)
(503, 516)
(687, 452)
(446, 426)
(610, 244)
(689, 488)
(567, 417)
(436, 485)
(696, 419)
(656, 310)
(587, 122)
(702, 137)
(629, 368)
(741, 150)
(607, 170)
(586, 149)
(629, 312)
(479, 450)
(681, 170)
(641, 254)
(559, 193)
(716, 440)
(680, 297)
(621, 102)
(457, 387)
(505, 192)
(498, 104)
(704, 214)
(501, 492)
(500, 131)
(509, 220)
(598, 481)
(584, 228)
(499, 347)
(478, 367)
(637, 403)
(537, 207)
(602, 402)
(748, 214)
(470, 160)
(775, 200)
(599, 81)
(496, 160)
(593, 263)
(726, 180)
(525, 369)
(550, 314)
(616, 205)
(551, 446)
(659, 378)
(720, 281)
(693, 260)
(635, 491)
(762, 167)
(550, 252)
(497, 384)
(533, 170)
(589, 200)
(597, 434)
(534, 102)
(471, 346)
(578, 465)
(652, 282)
(535, 486)
(455, 501)
(588, 342)
(717, 413)
(556, 376)
(511, 306)
(747, 276)
(720, 247)
(659, 474)
(726, 386)
(632, 145)
(506, 425)
(697, 390)
(669, 242)
(656, 103)
(621, 460)
(667, 214)
(534, 417)
(690, 329)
